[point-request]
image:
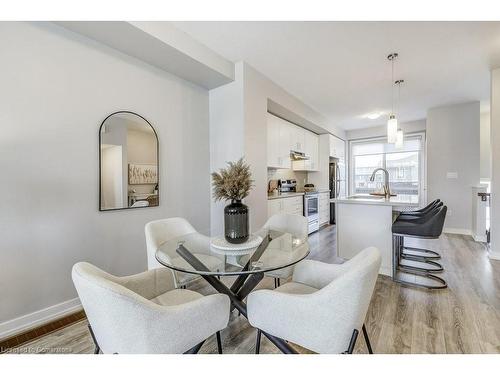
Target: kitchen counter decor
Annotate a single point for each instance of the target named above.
(234, 184)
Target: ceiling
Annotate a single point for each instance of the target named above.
(341, 69)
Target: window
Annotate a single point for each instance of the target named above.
(405, 166)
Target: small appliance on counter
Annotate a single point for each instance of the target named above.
(287, 186)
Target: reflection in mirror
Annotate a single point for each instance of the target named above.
(128, 162)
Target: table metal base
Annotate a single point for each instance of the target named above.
(240, 289)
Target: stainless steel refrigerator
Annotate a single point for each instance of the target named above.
(337, 183)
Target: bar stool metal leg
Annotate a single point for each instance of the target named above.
(398, 245)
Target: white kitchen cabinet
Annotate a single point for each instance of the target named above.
(283, 137)
(274, 207)
(273, 139)
(278, 142)
(311, 149)
(337, 148)
(324, 208)
(289, 205)
(293, 205)
(297, 138)
(284, 144)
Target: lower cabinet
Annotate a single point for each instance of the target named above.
(324, 208)
(291, 205)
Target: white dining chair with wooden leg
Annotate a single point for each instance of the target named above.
(145, 313)
(323, 308)
(294, 225)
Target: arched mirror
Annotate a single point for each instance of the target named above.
(128, 162)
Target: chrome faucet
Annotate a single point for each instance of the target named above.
(387, 191)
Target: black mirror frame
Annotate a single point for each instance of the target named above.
(157, 162)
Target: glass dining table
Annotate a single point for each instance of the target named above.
(193, 253)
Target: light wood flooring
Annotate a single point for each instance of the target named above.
(465, 318)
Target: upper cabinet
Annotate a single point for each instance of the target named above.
(337, 148)
(298, 138)
(283, 137)
(311, 149)
(278, 142)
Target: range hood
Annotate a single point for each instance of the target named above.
(295, 155)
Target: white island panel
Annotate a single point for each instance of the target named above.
(363, 225)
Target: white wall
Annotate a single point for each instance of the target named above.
(485, 147)
(57, 87)
(226, 136)
(381, 130)
(453, 146)
(495, 165)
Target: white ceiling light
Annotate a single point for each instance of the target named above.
(373, 116)
(392, 124)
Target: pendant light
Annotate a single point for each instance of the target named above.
(399, 140)
(392, 124)
(399, 135)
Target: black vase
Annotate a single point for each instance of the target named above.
(236, 222)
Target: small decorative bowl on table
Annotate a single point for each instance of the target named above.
(221, 246)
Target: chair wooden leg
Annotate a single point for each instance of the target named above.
(367, 340)
(257, 344)
(219, 342)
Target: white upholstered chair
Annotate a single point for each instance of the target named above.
(323, 308)
(160, 231)
(144, 313)
(296, 225)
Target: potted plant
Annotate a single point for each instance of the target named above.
(234, 184)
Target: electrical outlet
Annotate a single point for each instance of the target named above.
(453, 175)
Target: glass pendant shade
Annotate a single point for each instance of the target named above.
(392, 129)
(399, 139)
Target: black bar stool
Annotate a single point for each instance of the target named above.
(416, 252)
(428, 226)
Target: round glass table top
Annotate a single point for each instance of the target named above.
(193, 253)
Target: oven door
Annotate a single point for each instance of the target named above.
(311, 206)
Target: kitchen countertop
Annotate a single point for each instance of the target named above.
(292, 194)
(399, 200)
(284, 195)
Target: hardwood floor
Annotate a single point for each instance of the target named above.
(465, 318)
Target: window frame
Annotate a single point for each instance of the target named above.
(422, 174)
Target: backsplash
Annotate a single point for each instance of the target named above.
(288, 174)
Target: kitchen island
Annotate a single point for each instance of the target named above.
(366, 220)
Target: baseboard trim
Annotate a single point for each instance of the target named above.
(479, 238)
(465, 232)
(493, 256)
(38, 318)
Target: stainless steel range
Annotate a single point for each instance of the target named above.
(311, 210)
